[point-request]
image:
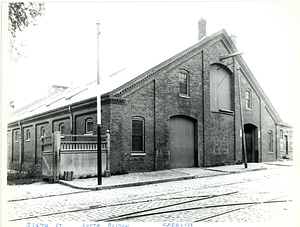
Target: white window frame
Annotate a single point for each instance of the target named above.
(28, 135)
(43, 131)
(60, 126)
(141, 119)
(248, 101)
(182, 73)
(270, 141)
(89, 132)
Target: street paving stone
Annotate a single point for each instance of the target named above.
(96, 205)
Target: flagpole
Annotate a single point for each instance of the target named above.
(99, 155)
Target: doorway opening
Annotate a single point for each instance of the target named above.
(251, 138)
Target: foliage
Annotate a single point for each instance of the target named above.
(17, 178)
(20, 15)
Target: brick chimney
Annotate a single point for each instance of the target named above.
(201, 28)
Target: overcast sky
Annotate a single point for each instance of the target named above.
(137, 36)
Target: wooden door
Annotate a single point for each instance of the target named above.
(249, 145)
(182, 139)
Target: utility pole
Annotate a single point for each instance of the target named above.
(99, 153)
(240, 101)
(242, 121)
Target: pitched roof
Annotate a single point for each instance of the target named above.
(116, 86)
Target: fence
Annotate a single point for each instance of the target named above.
(76, 153)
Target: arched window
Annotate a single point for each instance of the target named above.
(89, 126)
(62, 128)
(17, 136)
(138, 135)
(43, 132)
(220, 88)
(28, 135)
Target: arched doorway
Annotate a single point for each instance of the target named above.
(251, 138)
(182, 142)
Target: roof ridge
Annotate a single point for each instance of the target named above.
(142, 77)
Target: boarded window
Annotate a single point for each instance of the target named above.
(220, 88)
(137, 134)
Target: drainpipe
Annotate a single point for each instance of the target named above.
(203, 111)
(21, 149)
(154, 122)
(71, 119)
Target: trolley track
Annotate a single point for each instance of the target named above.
(157, 199)
(139, 213)
(101, 206)
(90, 190)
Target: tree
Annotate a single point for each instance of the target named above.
(20, 15)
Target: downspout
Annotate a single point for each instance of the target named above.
(203, 111)
(35, 143)
(154, 123)
(260, 130)
(234, 93)
(71, 119)
(21, 146)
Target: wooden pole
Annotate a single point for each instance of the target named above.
(242, 121)
(99, 155)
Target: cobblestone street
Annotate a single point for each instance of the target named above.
(257, 196)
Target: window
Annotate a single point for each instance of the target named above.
(281, 134)
(270, 141)
(16, 136)
(43, 132)
(89, 126)
(281, 140)
(248, 99)
(138, 134)
(220, 89)
(183, 82)
(28, 135)
(62, 128)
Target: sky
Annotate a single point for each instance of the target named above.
(135, 36)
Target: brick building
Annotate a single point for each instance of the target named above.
(187, 111)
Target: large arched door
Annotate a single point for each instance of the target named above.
(251, 138)
(182, 142)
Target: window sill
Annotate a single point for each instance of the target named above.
(138, 154)
(222, 111)
(184, 96)
(88, 134)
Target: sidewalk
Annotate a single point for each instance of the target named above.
(144, 178)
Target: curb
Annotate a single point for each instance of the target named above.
(141, 183)
(125, 185)
(237, 171)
